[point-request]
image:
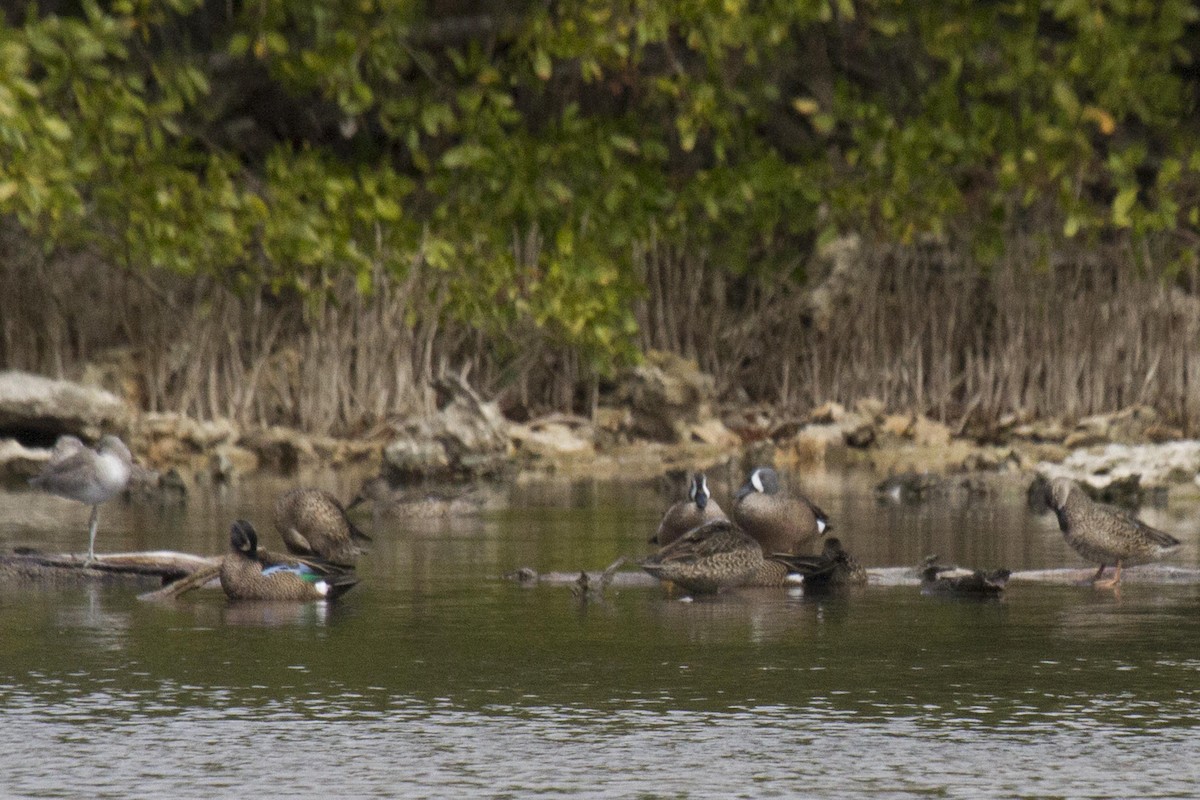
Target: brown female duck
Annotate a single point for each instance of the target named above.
(1105, 534)
(708, 559)
(717, 556)
(313, 524)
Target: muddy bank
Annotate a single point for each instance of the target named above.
(663, 419)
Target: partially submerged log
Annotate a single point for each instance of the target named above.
(149, 567)
(1151, 574)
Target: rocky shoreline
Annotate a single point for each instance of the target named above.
(662, 418)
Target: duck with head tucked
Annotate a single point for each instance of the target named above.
(689, 514)
(248, 573)
(1105, 534)
(781, 522)
(938, 579)
(833, 568)
(710, 558)
(313, 524)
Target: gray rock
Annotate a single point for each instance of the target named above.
(19, 463)
(667, 396)
(34, 404)
(1152, 464)
(464, 437)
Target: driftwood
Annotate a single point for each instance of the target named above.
(194, 581)
(888, 576)
(166, 566)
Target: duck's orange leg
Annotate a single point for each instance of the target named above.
(1112, 582)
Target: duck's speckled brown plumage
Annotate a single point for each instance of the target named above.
(833, 567)
(242, 575)
(688, 514)
(313, 524)
(708, 559)
(780, 522)
(1104, 534)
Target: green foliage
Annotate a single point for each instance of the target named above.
(523, 154)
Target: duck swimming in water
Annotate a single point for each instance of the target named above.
(831, 569)
(248, 573)
(961, 583)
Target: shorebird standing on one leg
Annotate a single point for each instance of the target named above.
(89, 476)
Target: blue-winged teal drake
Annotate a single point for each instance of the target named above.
(781, 522)
(832, 568)
(685, 515)
(1105, 534)
(89, 476)
(313, 524)
(962, 583)
(248, 573)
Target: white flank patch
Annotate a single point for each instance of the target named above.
(793, 579)
(322, 588)
(821, 526)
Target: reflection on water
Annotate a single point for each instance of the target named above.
(434, 678)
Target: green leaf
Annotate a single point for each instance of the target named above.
(57, 128)
(1121, 206)
(542, 67)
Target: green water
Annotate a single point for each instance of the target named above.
(434, 678)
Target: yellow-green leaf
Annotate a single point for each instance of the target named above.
(1122, 204)
(542, 66)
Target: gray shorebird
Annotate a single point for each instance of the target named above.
(313, 524)
(248, 573)
(1105, 534)
(961, 583)
(685, 515)
(832, 568)
(88, 476)
(779, 521)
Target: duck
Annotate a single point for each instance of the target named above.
(832, 568)
(780, 522)
(716, 556)
(248, 573)
(313, 524)
(710, 558)
(1104, 534)
(88, 476)
(907, 487)
(963, 583)
(686, 515)
(386, 497)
